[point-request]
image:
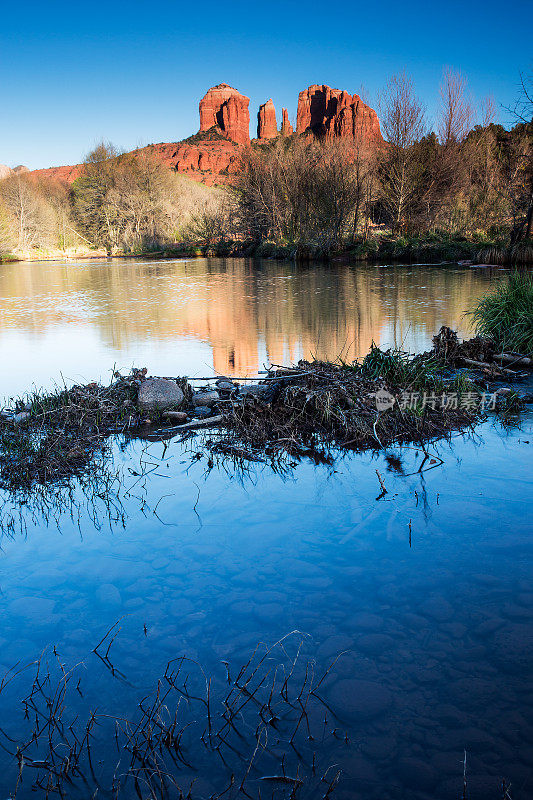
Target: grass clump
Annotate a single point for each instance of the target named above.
(506, 315)
(436, 246)
(399, 369)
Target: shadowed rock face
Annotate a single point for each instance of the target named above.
(333, 113)
(225, 108)
(266, 121)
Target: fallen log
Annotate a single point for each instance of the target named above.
(511, 358)
(189, 426)
(485, 365)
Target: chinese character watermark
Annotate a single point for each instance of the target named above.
(451, 401)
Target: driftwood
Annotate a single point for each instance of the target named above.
(208, 422)
(492, 367)
(516, 359)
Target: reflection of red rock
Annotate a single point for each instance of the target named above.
(286, 127)
(266, 121)
(225, 108)
(336, 114)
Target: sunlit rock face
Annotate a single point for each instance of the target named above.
(267, 127)
(212, 156)
(333, 113)
(286, 127)
(4, 171)
(225, 108)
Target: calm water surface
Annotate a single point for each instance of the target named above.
(74, 321)
(429, 589)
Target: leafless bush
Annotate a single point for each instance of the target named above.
(304, 192)
(27, 218)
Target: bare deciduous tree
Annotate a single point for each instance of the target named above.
(457, 113)
(403, 123)
(32, 222)
(307, 192)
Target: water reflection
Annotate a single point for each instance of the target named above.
(226, 315)
(429, 589)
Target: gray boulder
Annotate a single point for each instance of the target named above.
(158, 394)
(225, 386)
(206, 398)
(254, 391)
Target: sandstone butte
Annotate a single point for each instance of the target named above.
(334, 113)
(286, 127)
(267, 127)
(225, 108)
(211, 156)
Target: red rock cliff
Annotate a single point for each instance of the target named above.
(214, 159)
(286, 127)
(335, 113)
(267, 127)
(226, 109)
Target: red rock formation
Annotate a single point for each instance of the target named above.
(213, 157)
(210, 161)
(207, 162)
(226, 109)
(286, 127)
(334, 113)
(267, 127)
(64, 174)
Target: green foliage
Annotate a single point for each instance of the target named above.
(399, 369)
(211, 135)
(433, 246)
(270, 249)
(506, 315)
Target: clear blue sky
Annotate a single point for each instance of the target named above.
(73, 73)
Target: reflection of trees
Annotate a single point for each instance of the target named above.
(94, 494)
(239, 307)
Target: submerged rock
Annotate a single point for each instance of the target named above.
(158, 394)
(206, 398)
(202, 412)
(359, 699)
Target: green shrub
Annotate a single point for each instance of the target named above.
(506, 315)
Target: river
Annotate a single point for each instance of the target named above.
(426, 590)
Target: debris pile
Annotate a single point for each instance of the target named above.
(481, 354)
(389, 397)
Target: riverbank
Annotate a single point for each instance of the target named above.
(429, 248)
(70, 254)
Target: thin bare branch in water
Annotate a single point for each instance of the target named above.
(166, 734)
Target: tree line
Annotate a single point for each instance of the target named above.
(467, 177)
(121, 203)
